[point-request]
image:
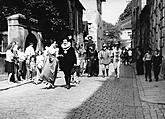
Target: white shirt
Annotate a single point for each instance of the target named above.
(9, 56)
(29, 51)
(116, 54)
(21, 56)
(40, 61)
(130, 53)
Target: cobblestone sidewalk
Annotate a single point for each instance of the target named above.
(152, 96)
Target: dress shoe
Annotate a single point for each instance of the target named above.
(68, 87)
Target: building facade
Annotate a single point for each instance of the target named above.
(157, 27)
(76, 19)
(126, 32)
(93, 14)
(148, 24)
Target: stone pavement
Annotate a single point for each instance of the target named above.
(153, 92)
(93, 98)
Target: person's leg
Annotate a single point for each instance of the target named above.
(67, 74)
(157, 73)
(107, 69)
(115, 68)
(27, 71)
(118, 69)
(149, 70)
(102, 69)
(9, 77)
(146, 71)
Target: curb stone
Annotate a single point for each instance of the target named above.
(9, 86)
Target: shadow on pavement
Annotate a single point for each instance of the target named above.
(112, 100)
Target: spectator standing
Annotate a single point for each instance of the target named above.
(32, 69)
(139, 62)
(22, 64)
(9, 63)
(82, 55)
(157, 62)
(117, 60)
(92, 58)
(130, 55)
(105, 58)
(76, 69)
(148, 64)
(29, 52)
(39, 65)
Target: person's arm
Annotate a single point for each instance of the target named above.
(74, 56)
(144, 58)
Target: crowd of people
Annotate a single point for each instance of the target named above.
(42, 66)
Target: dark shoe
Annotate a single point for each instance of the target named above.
(150, 80)
(68, 87)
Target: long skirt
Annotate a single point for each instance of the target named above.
(9, 67)
(49, 72)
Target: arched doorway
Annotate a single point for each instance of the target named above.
(31, 38)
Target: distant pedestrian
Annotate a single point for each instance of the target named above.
(92, 61)
(32, 68)
(82, 56)
(139, 62)
(67, 60)
(129, 56)
(105, 59)
(16, 62)
(157, 62)
(22, 64)
(148, 64)
(117, 60)
(39, 65)
(76, 69)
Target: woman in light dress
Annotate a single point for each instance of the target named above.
(50, 67)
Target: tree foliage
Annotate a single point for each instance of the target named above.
(51, 14)
(111, 32)
(127, 12)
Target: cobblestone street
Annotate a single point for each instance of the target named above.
(93, 98)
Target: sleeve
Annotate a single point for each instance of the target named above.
(144, 58)
(100, 55)
(74, 56)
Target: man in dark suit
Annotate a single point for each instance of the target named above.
(67, 60)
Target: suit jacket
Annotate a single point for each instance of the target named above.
(68, 60)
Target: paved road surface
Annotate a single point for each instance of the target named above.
(93, 98)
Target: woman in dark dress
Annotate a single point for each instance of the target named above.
(139, 62)
(67, 60)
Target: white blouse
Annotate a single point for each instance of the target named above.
(9, 56)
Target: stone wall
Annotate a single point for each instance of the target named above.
(19, 28)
